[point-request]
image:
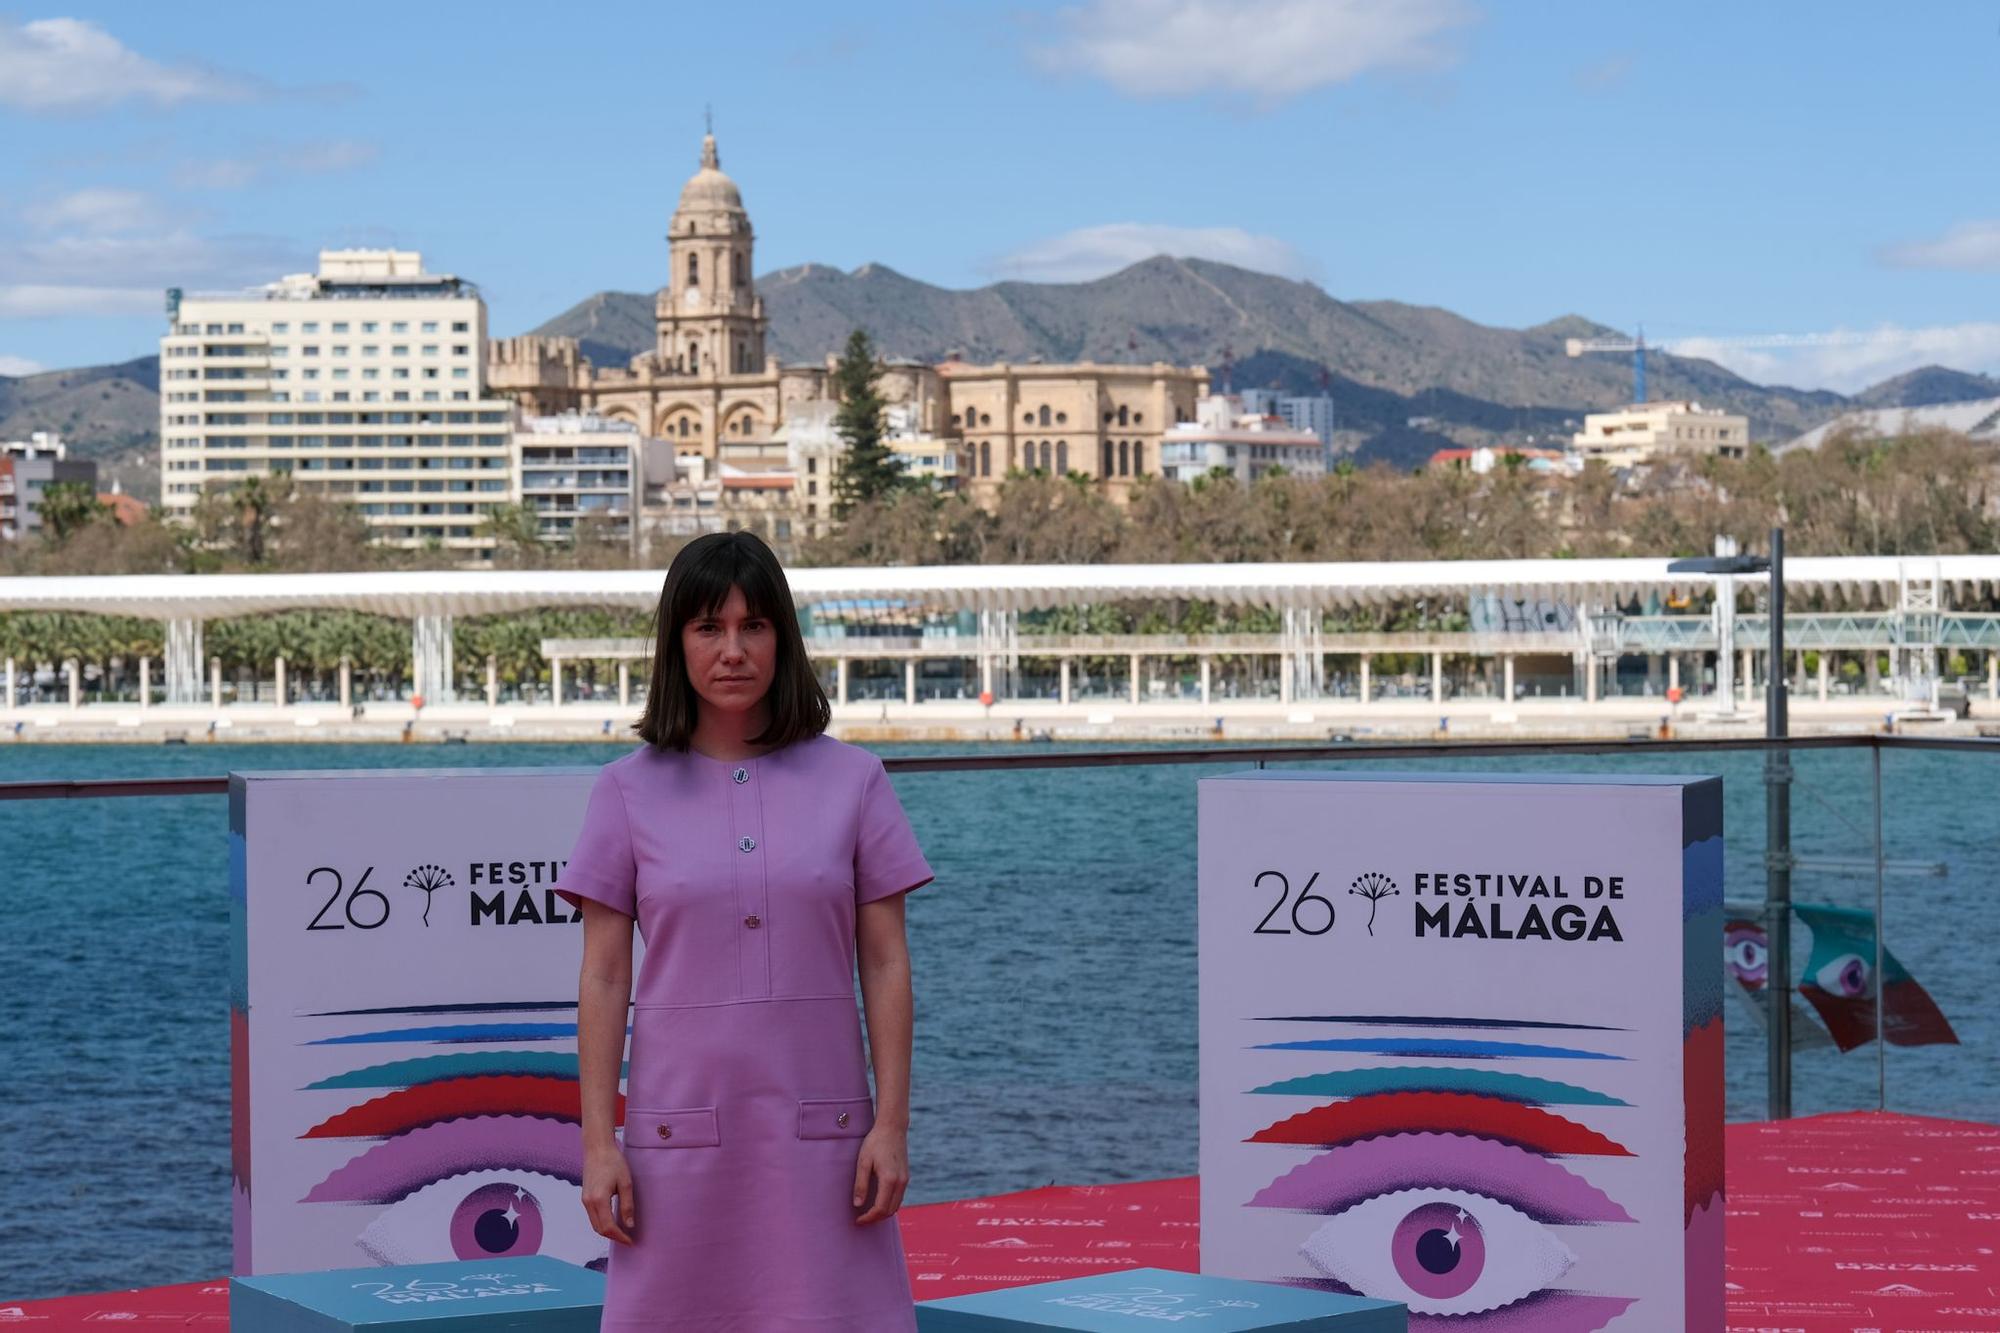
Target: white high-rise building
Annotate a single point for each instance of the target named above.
(364, 381)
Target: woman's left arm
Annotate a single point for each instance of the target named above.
(884, 954)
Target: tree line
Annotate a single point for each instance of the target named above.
(1931, 492)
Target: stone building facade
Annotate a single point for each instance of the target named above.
(709, 388)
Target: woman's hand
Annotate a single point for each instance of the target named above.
(605, 1175)
(885, 1155)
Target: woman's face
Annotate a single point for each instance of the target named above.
(731, 655)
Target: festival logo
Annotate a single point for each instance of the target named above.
(1441, 1183)
(476, 1146)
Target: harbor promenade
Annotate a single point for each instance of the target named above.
(1026, 720)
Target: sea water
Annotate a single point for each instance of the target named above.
(1054, 967)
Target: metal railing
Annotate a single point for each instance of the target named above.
(1775, 907)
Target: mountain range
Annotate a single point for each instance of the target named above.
(1405, 379)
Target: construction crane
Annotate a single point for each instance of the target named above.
(1637, 346)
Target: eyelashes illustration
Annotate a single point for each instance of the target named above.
(478, 1153)
(1440, 1186)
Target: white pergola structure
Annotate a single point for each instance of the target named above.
(1898, 603)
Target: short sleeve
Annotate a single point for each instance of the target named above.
(601, 867)
(887, 860)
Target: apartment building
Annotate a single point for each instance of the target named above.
(363, 382)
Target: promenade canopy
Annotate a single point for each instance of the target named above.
(1855, 580)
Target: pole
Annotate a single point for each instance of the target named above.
(1881, 1040)
(1778, 851)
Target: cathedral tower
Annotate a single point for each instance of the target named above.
(710, 318)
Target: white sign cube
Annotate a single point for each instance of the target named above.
(1461, 1042)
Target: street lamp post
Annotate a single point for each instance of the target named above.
(1777, 817)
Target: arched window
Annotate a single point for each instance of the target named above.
(1138, 458)
(1104, 470)
(1042, 417)
(723, 276)
(694, 358)
(1124, 458)
(1124, 416)
(1047, 459)
(1062, 458)
(742, 272)
(742, 355)
(986, 458)
(694, 269)
(683, 427)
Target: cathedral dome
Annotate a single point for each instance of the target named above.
(709, 190)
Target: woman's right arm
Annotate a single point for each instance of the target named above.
(604, 995)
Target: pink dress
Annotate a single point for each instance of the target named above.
(747, 1092)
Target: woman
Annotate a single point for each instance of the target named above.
(757, 1186)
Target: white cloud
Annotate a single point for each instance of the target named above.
(177, 258)
(1265, 50)
(19, 365)
(66, 64)
(97, 210)
(127, 273)
(1092, 252)
(234, 173)
(1970, 246)
(37, 301)
(1858, 359)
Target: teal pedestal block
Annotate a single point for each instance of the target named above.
(1138, 1298)
(536, 1294)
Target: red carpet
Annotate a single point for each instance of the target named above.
(1845, 1222)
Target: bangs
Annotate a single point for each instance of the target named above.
(713, 575)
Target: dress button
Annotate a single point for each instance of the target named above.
(753, 921)
(841, 1120)
(742, 775)
(665, 1132)
(748, 844)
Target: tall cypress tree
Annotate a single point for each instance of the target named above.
(870, 469)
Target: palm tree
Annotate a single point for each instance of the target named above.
(67, 506)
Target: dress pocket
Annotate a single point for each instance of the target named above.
(835, 1117)
(690, 1127)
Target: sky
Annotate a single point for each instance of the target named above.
(1704, 170)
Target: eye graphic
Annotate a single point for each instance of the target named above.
(1849, 975)
(1746, 952)
(484, 1215)
(470, 1188)
(1447, 1252)
(1449, 1224)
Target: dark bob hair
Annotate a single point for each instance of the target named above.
(698, 583)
